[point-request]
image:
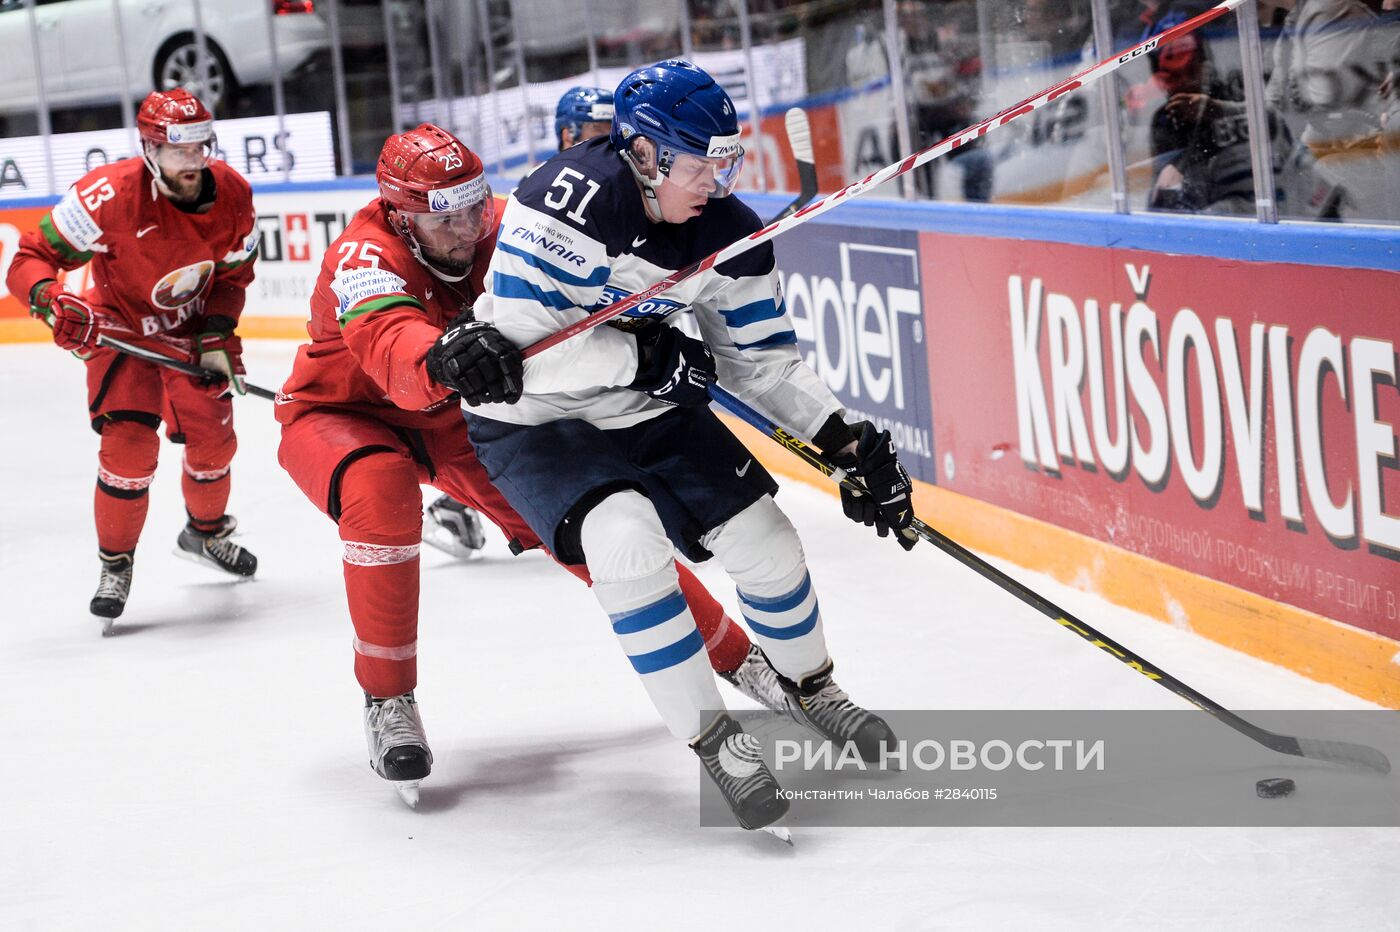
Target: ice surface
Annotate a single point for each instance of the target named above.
(204, 768)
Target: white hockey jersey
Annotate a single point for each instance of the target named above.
(575, 238)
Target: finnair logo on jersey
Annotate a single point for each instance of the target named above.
(179, 133)
(600, 112)
(458, 196)
(723, 147)
(549, 245)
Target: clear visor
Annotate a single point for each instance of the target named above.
(174, 158)
(446, 229)
(699, 175)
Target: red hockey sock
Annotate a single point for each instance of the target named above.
(381, 524)
(126, 466)
(726, 642)
(381, 585)
(206, 489)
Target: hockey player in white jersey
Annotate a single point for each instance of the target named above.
(612, 454)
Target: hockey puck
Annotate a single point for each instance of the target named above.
(1274, 787)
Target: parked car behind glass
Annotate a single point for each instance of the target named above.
(82, 64)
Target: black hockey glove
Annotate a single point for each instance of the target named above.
(474, 360)
(673, 367)
(889, 504)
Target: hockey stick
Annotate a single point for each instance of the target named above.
(799, 132)
(1337, 752)
(889, 172)
(208, 376)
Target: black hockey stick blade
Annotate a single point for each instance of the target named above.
(799, 133)
(1337, 752)
(1360, 756)
(209, 376)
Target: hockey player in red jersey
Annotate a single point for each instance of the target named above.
(371, 410)
(171, 239)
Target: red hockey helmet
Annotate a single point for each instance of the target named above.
(428, 170)
(175, 116)
(438, 188)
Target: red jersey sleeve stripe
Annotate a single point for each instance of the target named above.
(228, 266)
(60, 245)
(379, 304)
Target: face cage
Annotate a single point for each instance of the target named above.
(724, 179)
(485, 210)
(407, 229)
(150, 152)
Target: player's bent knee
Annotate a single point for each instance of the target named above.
(380, 500)
(622, 538)
(202, 454)
(759, 541)
(129, 448)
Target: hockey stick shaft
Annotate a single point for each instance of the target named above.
(149, 355)
(888, 173)
(799, 133)
(1357, 755)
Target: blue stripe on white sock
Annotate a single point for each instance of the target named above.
(779, 603)
(782, 617)
(649, 616)
(659, 634)
(787, 632)
(669, 656)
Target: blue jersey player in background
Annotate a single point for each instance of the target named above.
(583, 113)
(612, 453)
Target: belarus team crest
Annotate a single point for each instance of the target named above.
(182, 286)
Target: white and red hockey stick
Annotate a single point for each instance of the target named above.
(889, 172)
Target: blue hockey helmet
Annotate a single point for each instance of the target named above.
(581, 105)
(684, 112)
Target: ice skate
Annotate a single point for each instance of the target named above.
(824, 707)
(734, 760)
(453, 528)
(398, 748)
(213, 548)
(112, 588)
(755, 678)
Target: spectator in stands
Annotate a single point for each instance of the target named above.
(1200, 144)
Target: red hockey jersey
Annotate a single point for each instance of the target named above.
(157, 270)
(375, 313)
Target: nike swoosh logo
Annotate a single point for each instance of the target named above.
(740, 472)
(638, 241)
(143, 232)
(226, 420)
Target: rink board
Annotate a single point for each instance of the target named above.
(1106, 402)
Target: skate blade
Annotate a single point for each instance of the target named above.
(197, 560)
(107, 624)
(780, 832)
(408, 792)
